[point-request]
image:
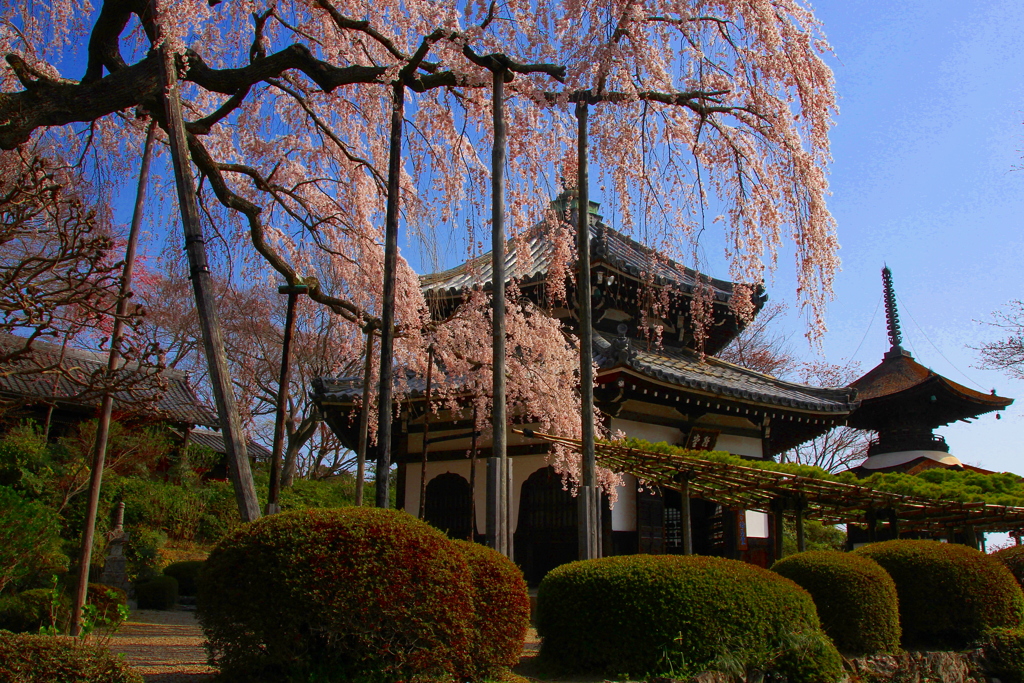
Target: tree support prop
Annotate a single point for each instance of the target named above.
(283, 384)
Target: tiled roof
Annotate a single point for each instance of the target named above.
(215, 442)
(717, 377)
(177, 402)
(899, 372)
(681, 368)
(607, 246)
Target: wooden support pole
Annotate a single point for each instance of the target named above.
(426, 436)
(472, 479)
(205, 295)
(387, 333)
(778, 527)
(801, 541)
(99, 452)
(497, 499)
(686, 522)
(364, 419)
(284, 380)
(589, 499)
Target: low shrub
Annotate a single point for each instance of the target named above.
(159, 593)
(46, 659)
(1013, 559)
(1003, 654)
(185, 573)
(502, 607)
(106, 599)
(680, 615)
(29, 538)
(855, 597)
(351, 594)
(31, 610)
(949, 594)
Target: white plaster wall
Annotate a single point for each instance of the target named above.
(624, 510)
(649, 432)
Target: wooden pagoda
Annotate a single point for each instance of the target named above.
(659, 392)
(904, 402)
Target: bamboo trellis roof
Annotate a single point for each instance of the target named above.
(830, 502)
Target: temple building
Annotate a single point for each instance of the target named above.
(904, 402)
(665, 391)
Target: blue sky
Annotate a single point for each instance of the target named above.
(929, 132)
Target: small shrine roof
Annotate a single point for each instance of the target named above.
(607, 246)
(685, 368)
(215, 442)
(175, 401)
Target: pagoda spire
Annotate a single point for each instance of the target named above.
(892, 316)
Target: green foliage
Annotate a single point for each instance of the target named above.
(106, 608)
(1013, 559)
(502, 607)
(158, 593)
(949, 594)
(41, 659)
(311, 493)
(681, 615)
(142, 553)
(337, 595)
(32, 611)
(1003, 654)
(817, 536)
(186, 573)
(29, 539)
(855, 597)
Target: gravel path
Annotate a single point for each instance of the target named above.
(166, 647)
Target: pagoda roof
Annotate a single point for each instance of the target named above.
(166, 395)
(901, 384)
(686, 369)
(607, 246)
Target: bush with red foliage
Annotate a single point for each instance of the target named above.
(502, 608)
(356, 594)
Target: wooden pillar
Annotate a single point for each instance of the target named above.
(589, 499)
(872, 519)
(387, 332)
(364, 419)
(282, 397)
(686, 522)
(778, 526)
(472, 478)
(426, 435)
(205, 296)
(99, 453)
(497, 499)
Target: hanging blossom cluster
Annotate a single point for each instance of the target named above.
(707, 116)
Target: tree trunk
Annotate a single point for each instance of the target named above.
(282, 398)
(387, 333)
(99, 453)
(202, 286)
(364, 419)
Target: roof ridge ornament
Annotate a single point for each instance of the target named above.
(892, 317)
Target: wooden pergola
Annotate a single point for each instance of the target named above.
(802, 497)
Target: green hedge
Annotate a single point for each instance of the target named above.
(1003, 654)
(502, 607)
(106, 598)
(644, 614)
(159, 593)
(855, 597)
(29, 610)
(1013, 559)
(949, 594)
(48, 659)
(346, 594)
(186, 573)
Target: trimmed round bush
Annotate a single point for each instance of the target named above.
(647, 614)
(186, 574)
(1003, 654)
(855, 598)
(46, 659)
(29, 610)
(159, 593)
(949, 594)
(338, 594)
(502, 608)
(106, 598)
(1013, 559)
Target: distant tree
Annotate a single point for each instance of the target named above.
(761, 346)
(1006, 354)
